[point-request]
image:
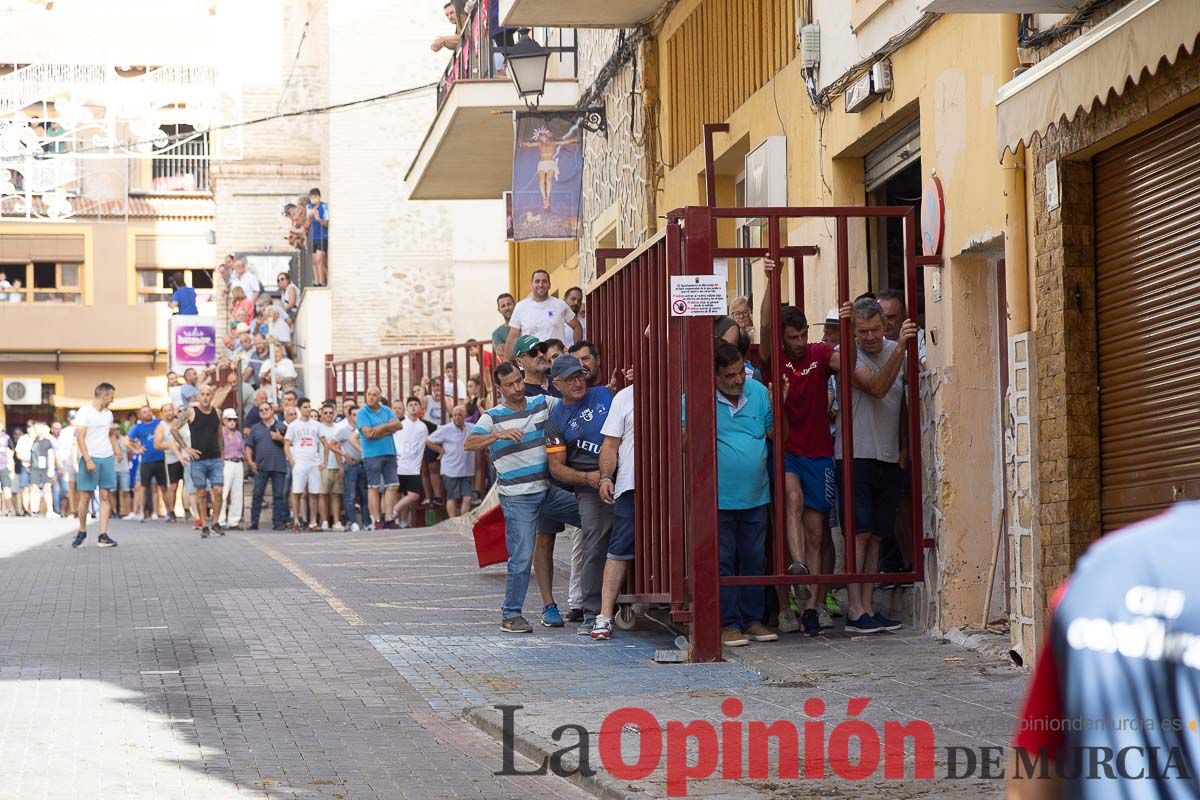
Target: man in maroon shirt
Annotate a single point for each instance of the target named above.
(808, 445)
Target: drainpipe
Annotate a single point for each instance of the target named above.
(1016, 226)
(1016, 263)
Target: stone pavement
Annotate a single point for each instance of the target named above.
(368, 666)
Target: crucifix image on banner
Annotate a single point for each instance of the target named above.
(547, 175)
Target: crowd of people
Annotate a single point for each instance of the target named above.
(559, 444)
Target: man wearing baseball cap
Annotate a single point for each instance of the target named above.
(573, 440)
(230, 513)
(530, 354)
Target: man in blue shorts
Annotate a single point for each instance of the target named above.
(376, 424)
(98, 452)
(616, 487)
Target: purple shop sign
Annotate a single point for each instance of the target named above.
(193, 342)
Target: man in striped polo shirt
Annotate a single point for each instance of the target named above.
(514, 435)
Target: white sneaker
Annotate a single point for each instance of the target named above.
(823, 617)
(53, 515)
(405, 524)
(339, 527)
(354, 527)
(324, 525)
(788, 622)
(134, 517)
(155, 516)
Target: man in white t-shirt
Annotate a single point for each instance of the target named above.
(616, 487)
(247, 280)
(302, 446)
(573, 297)
(97, 469)
(541, 315)
(410, 454)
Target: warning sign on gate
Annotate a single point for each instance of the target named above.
(698, 296)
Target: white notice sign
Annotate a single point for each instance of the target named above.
(698, 296)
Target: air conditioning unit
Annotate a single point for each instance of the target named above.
(22, 392)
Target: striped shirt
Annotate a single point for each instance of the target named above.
(521, 467)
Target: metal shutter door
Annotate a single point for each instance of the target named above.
(1147, 215)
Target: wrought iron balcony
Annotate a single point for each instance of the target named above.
(480, 53)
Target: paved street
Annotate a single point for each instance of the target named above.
(343, 665)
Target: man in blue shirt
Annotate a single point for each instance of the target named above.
(318, 214)
(183, 299)
(573, 441)
(153, 468)
(744, 421)
(376, 424)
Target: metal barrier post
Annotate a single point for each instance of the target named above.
(704, 567)
(846, 398)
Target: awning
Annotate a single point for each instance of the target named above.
(1083, 73)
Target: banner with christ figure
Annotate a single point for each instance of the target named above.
(547, 175)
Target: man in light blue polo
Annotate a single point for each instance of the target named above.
(376, 424)
(514, 435)
(744, 421)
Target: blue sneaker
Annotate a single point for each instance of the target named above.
(887, 623)
(864, 624)
(551, 617)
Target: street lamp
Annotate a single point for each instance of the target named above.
(527, 65)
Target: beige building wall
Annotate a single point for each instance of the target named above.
(397, 277)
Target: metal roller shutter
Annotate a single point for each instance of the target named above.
(1147, 215)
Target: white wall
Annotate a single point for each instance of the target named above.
(403, 273)
(313, 337)
(842, 47)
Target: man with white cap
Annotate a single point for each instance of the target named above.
(230, 513)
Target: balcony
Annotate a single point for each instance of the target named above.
(1001, 6)
(578, 13)
(467, 152)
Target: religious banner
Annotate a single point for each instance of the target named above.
(547, 175)
(193, 342)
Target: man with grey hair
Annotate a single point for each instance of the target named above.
(877, 384)
(741, 312)
(891, 301)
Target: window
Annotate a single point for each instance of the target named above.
(183, 166)
(44, 282)
(154, 285)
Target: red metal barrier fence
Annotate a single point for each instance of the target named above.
(399, 374)
(676, 546)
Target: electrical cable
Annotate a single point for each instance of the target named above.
(296, 58)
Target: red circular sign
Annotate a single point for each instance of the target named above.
(933, 217)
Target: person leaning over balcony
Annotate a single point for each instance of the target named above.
(744, 421)
(540, 315)
(318, 213)
(183, 298)
(573, 441)
(447, 42)
(514, 435)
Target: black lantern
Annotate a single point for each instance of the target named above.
(527, 65)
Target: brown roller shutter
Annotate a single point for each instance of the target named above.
(1147, 193)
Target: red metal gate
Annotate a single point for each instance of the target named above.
(676, 546)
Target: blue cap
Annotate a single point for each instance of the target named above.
(566, 366)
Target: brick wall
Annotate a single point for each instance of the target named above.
(391, 260)
(1068, 499)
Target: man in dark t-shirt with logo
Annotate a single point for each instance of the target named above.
(573, 441)
(1112, 706)
(808, 446)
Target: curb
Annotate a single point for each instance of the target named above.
(534, 748)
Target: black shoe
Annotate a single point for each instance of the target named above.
(283, 526)
(797, 568)
(79, 537)
(204, 532)
(103, 541)
(218, 530)
(253, 527)
(574, 615)
(810, 623)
